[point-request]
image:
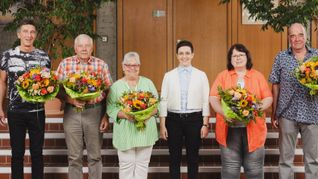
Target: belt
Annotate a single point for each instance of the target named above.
(185, 115)
(88, 106)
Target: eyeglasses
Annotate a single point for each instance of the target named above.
(132, 65)
(238, 56)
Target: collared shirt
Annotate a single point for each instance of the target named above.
(16, 62)
(294, 102)
(184, 80)
(75, 65)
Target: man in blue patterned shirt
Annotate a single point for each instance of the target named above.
(294, 109)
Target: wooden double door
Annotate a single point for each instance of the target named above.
(152, 28)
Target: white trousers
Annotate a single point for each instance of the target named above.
(133, 163)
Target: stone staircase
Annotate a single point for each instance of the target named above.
(55, 154)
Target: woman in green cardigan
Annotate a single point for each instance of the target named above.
(134, 146)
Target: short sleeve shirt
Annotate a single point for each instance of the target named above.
(15, 63)
(294, 102)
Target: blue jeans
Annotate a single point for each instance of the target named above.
(19, 123)
(236, 155)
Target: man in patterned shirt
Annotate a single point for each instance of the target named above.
(294, 109)
(23, 116)
(88, 124)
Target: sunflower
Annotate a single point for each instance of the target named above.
(243, 103)
(137, 104)
(45, 83)
(25, 84)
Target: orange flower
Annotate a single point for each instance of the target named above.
(35, 86)
(45, 83)
(245, 112)
(50, 89)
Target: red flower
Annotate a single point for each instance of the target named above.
(129, 102)
(141, 96)
(26, 75)
(84, 80)
(249, 98)
(143, 106)
(37, 78)
(43, 91)
(98, 82)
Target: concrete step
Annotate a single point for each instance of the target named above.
(59, 120)
(155, 152)
(60, 135)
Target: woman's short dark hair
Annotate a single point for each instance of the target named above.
(26, 22)
(240, 48)
(182, 43)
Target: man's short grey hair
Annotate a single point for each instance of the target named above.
(130, 55)
(82, 36)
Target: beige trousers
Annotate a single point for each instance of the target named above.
(287, 143)
(80, 127)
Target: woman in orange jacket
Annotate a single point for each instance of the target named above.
(241, 144)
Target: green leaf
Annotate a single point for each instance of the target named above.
(282, 15)
(57, 22)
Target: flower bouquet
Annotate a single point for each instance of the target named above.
(307, 74)
(139, 104)
(37, 85)
(240, 105)
(83, 86)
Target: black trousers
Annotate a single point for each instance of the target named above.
(184, 129)
(19, 123)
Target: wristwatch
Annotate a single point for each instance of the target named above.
(206, 125)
